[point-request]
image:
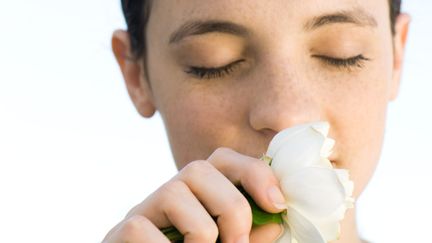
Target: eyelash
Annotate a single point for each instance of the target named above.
(345, 63)
(219, 72)
(212, 73)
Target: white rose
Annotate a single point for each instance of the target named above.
(317, 194)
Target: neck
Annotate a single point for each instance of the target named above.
(349, 229)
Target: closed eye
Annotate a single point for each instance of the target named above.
(213, 72)
(347, 63)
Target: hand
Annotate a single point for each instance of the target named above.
(204, 190)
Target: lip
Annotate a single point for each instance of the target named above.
(333, 164)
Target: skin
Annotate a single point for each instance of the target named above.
(218, 127)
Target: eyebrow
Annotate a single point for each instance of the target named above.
(357, 17)
(198, 27)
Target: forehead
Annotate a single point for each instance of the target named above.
(167, 15)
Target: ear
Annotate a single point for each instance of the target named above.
(399, 42)
(133, 74)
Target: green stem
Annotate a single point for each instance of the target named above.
(259, 217)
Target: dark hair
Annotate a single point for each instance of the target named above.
(137, 13)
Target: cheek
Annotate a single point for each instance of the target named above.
(198, 121)
(358, 122)
(198, 117)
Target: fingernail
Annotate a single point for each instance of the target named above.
(243, 239)
(276, 197)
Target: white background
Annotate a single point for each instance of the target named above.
(75, 156)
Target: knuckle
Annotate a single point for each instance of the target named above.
(257, 169)
(258, 166)
(133, 227)
(207, 232)
(110, 235)
(240, 208)
(220, 152)
(198, 167)
(171, 188)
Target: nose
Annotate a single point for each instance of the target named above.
(282, 100)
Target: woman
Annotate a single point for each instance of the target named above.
(227, 75)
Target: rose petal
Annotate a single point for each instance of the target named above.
(300, 150)
(327, 148)
(286, 236)
(316, 192)
(321, 127)
(330, 230)
(343, 176)
(302, 230)
(324, 162)
(280, 138)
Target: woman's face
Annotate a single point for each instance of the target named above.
(233, 73)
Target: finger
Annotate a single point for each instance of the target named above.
(266, 233)
(174, 204)
(187, 214)
(136, 229)
(221, 199)
(253, 174)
